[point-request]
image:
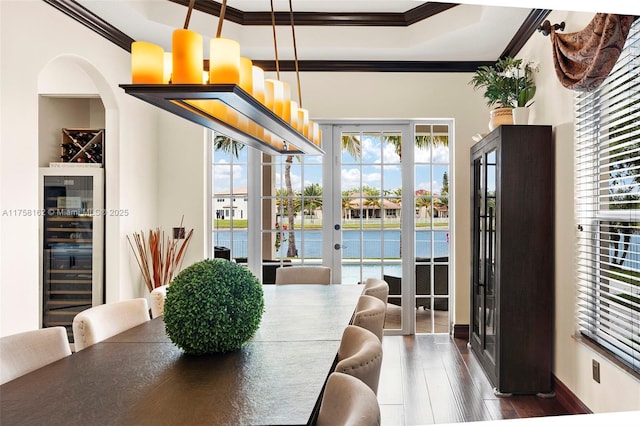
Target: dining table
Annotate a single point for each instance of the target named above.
(139, 377)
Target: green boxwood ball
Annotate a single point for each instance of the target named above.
(213, 306)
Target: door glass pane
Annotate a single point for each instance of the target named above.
(230, 199)
(490, 306)
(478, 246)
(292, 212)
(431, 203)
(371, 196)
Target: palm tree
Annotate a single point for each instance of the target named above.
(292, 250)
(312, 198)
(422, 141)
(347, 203)
(424, 200)
(227, 145)
(351, 143)
(371, 198)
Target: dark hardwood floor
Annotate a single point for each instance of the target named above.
(433, 378)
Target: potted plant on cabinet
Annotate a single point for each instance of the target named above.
(507, 85)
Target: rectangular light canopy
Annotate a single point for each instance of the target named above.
(229, 110)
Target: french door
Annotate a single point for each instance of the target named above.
(376, 205)
(368, 190)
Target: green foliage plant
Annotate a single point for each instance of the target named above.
(213, 306)
(509, 83)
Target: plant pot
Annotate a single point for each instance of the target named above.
(500, 116)
(521, 115)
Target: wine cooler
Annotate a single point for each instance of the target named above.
(72, 241)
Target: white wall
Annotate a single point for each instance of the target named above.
(618, 391)
(181, 182)
(29, 45)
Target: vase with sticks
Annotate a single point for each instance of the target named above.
(159, 256)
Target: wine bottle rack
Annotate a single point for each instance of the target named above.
(82, 146)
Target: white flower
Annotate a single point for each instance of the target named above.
(533, 65)
(510, 72)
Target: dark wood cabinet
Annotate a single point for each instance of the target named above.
(512, 275)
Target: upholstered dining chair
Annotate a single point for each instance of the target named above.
(377, 288)
(156, 300)
(369, 314)
(360, 355)
(348, 401)
(303, 275)
(24, 352)
(103, 321)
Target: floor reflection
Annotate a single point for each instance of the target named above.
(427, 321)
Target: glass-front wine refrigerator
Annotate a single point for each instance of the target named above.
(72, 241)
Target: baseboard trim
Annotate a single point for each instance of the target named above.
(568, 399)
(461, 331)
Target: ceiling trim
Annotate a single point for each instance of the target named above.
(113, 34)
(524, 33)
(372, 66)
(93, 22)
(401, 19)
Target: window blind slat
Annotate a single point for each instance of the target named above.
(607, 198)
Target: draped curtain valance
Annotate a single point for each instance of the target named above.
(584, 59)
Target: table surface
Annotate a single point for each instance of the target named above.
(140, 378)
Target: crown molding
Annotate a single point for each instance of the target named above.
(93, 22)
(373, 66)
(401, 19)
(533, 21)
(524, 33)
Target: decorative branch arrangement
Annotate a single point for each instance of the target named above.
(159, 257)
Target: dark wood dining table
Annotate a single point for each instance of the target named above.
(139, 377)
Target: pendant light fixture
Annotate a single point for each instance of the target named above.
(232, 98)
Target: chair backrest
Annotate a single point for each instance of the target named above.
(348, 401)
(370, 312)
(303, 275)
(377, 288)
(27, 351)
(103, 321)
(360, 355)
(157, 297)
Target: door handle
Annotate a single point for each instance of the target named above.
(339, 246)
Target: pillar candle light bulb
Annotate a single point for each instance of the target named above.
(293, 120)
(303, 121)
(258, 83)
(286, 102)
(274, 88)
(167, 68)
(224, 61)
(147, 63)
(246, 75)
(187, 57)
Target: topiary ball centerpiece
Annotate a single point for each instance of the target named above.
(213, 306)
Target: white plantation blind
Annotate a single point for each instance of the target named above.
(608, 208)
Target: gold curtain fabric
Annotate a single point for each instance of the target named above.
(585, 58)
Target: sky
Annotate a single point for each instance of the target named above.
(380, 168)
